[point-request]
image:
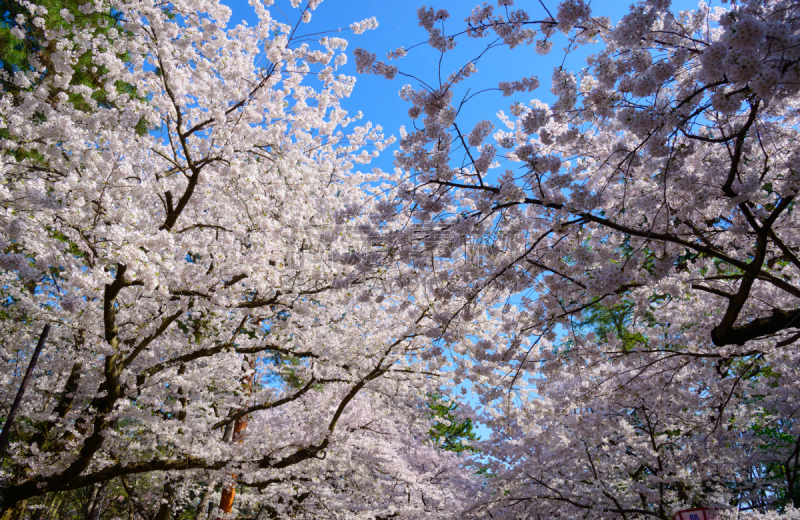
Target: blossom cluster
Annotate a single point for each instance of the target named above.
(522, 85)
(657, 192)
(364, 25)
(193, 225)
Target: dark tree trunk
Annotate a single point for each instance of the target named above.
(205, 501)
(165, 511)
(94, 499)
(15, 512)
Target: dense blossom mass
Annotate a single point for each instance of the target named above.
(637, 240)
(191, 222)
(239, 316)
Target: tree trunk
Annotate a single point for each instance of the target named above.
(227, 433)
(211, 507)
(165, 511)
(205, 502)
(95, 502)
(226, 499)
(16, 512)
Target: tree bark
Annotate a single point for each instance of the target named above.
(94, 500)
(15, 512)
(205, 501)
(165, 511)
(22, 386)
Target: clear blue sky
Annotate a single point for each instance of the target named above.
(377, 97)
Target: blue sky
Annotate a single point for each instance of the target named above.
(377, 97)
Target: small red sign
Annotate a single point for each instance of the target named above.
(701, 513)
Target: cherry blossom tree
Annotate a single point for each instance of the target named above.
(222, 305)
(662, 178)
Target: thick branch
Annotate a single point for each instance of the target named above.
(758, 328)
